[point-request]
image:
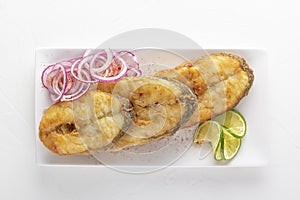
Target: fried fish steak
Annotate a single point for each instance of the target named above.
(90, 123)
(160, 107)
(219, 81)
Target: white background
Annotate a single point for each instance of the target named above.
(26, 25)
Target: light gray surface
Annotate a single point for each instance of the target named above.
(26, 25)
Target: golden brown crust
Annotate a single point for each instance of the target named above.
(61, 123)
(220, 81)
(55, 139)
(245, 67)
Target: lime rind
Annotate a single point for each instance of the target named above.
(222, 120)
(227, 143)
(244, 123)
(218, 156)
(217, 153)
(233, 133)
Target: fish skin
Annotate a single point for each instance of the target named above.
(219, 81)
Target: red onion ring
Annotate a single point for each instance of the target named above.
(129, 58)
(81, 74)
(136, 71)
(57, 93)
(116, 77)
(84, 87)
(107, 63)
(45, 76)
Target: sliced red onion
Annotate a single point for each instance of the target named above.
(56, 70)
(76, 86)
(100, 56)
(66, 63)
(58, 92)
(45, 75)
(69, 80)
(87, 52)
(72, 82)
(116, 77)
(84, 87)
(81, 74)
(129, 58)
(133, 72)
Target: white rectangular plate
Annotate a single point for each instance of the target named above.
(254, 149)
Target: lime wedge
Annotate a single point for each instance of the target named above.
(224, 133)
(208, 131)
(234, 122)
(230, 144)
(217, 154)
